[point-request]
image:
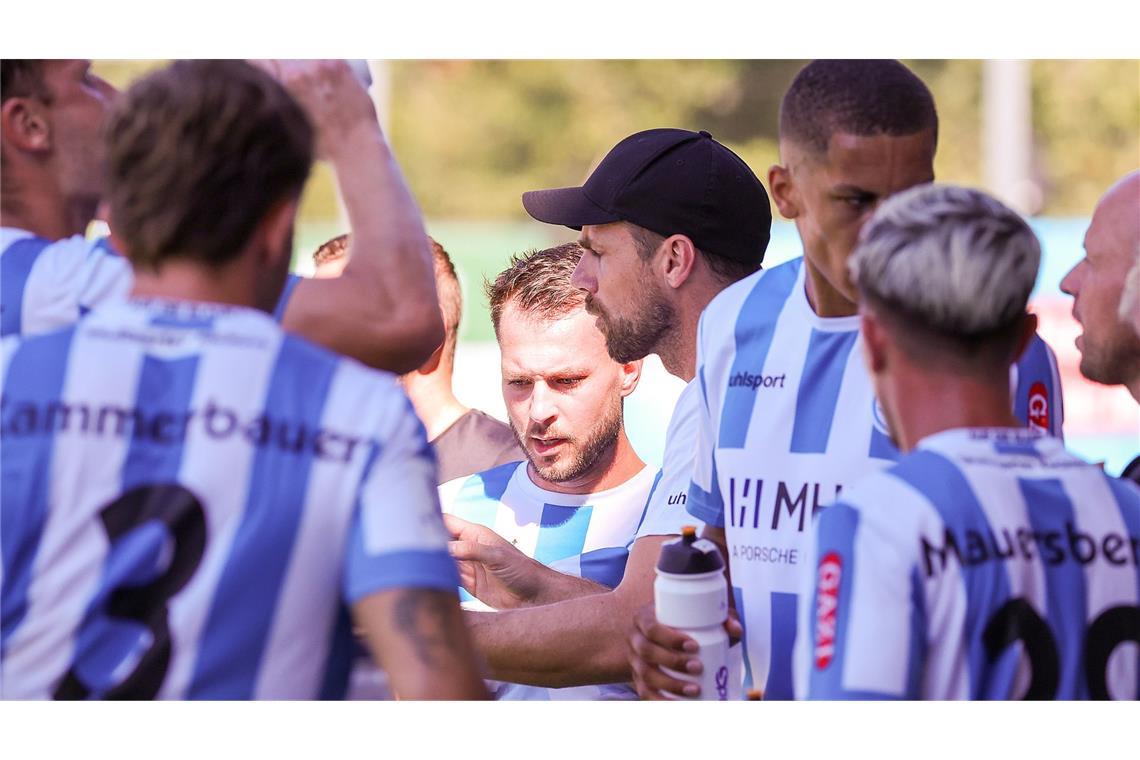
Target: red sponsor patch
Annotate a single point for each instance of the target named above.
(1039, 407)
(826, 606)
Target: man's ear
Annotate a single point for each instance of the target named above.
(679, 258)
(874, 341)
(25, 125)
(784, 193)
(630, 377)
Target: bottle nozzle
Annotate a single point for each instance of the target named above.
(689, 533)
(755, 695)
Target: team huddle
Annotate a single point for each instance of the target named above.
(224, 481)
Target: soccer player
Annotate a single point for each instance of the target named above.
(668, 219)
(52, 114)
(194, 500)
(1099, 284)
(465, 440)
(788, 415)
(988, 563)
(576, 500)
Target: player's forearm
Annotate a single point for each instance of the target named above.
(386, 308)
(572, 643)
(560, 587)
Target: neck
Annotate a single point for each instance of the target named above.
(825, 300)
(184, 280)
(678, 349)
(47, 213)
(434, 401)
(936, 402)
(610, 470)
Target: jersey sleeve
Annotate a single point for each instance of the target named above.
(1037, 400)
(397, 538)
(57, 283)
(862, 624)
(665, 510)
(704, 500)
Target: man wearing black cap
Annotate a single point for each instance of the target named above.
(668, 219)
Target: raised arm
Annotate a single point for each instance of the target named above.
(382, 310)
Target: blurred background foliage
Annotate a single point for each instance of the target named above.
(473, 135)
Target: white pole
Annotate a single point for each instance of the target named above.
(1007, 135)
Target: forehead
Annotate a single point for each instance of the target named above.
(537, 346)
(1114, 232)
(607, 236)
(882, 164)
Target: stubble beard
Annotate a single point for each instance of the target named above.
(628, 340)
(582, 457)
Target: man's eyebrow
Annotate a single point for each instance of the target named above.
(585, 241)
(851, 190)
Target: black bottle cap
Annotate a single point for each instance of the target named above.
(688, 556)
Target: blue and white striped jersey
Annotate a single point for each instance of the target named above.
(788, 420)
(192, 498)
(986, 564)
(665, 511)
(46, 285)
(585, 535)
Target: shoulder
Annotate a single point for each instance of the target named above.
(488, 485)
(759, 297)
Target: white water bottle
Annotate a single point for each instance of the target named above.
(691, 595)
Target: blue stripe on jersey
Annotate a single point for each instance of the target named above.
(479, 496)
(1036, 366)
(986, 583)
(916, 651)
(33, 381)
(881, 446)
(738, 605)
(415, 568)
(163, 401)
(783, 643)
(835, 533)
(755, 327)
(1051, 510)
(645, 509)
(605, 566)
(822, 377)
(286, 293)
(561, 532)
(706, 506)
(15, 266)
(343, 649)
(237, 628)
(104, 643)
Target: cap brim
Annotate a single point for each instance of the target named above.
(567, 206)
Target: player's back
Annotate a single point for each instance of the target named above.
(181, 505)
(988, 564)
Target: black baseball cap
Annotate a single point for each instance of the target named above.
(670, 181)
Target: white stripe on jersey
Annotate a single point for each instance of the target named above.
(665, 512)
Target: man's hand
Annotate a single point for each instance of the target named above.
(493, 570)
(333, 97)
(653, 646)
